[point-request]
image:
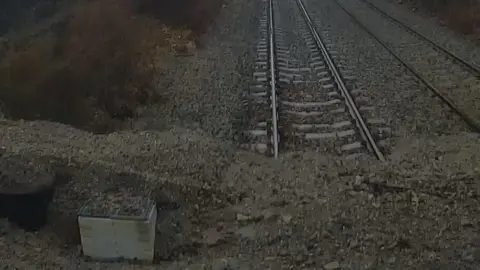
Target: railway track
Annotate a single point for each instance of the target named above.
(298, 106)
(455, 81)
(475, 70)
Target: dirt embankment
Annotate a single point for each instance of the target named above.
(95, 65)
(461, 16)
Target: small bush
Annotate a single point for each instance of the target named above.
(196, 15)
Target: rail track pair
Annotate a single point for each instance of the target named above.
(288, 120)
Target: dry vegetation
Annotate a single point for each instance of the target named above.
(461, 15)
(100, 66)
(196, 15)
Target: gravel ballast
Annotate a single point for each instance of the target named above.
(205, 91)
(451, 79)
(430, 27)
(416, 211)
(408, 107)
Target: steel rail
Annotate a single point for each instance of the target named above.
(474, 69)
(273, 83)
(365, 132)
(472, 123)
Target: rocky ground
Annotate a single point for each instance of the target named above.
(238, 210)
(305, 211)
(395, 93)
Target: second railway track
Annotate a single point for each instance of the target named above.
(450, 78)
(302, 101)
(474, 69)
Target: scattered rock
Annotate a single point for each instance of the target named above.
(256, 215)
(180, 265)
(220, 264)
(358, 181)
(369, 262)
(322, 201)
(242, 217)
(287, 218)
(225, 264)
(213, 237)
(352, 193)
(353, 244)
(247, 232)
(197, 266)
(300, 258)
(332, 265)
(391, 260)
(279, 203)
(466, 222)
(467, 255)
(269, 215)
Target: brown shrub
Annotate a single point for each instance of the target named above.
(105, 45)
(32, 85)
(463, 16)
(196, 15)
(102, 64)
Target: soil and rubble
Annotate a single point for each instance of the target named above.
(19, 173)
(222, 208)
(227, 207)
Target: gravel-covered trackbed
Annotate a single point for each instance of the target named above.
(453, 80)
(474, 68)
(303, 96)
